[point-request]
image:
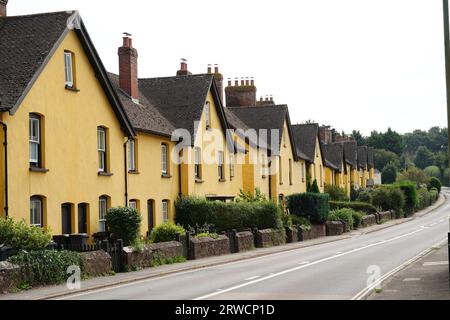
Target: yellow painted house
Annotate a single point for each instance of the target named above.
(335, 168)
(309, 149)
(64, 126)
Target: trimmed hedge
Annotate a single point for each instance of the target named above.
(345, 215)
(124, 223)
(411, 200)
(193, 211)
(389, 198)
(313, 206)
(166, 232)
(435, 183)
(357, 206)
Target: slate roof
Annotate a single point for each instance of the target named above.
(28, 42)
(362, 157)
(370, 157)
(333, 155)
(25, 44)
(305, 136)
(264, 118)
(350, 151)
(181, 99)
(143, 116)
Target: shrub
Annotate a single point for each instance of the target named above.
(301, 222)
(287, 221)
(364, 196)
(357, 219)
(124, 223)
(21, 236)
(166, 232)
(433, 171)
(315, 187)
(249, 197)
(389, 174)
(312, 206)
(424, 198)
(354, 193)
(435, 183)
(192, 211)
(336, 193)
(46, 267)
(207, 235)
(434, 195)
(410, 192)
(389, 198)
(345, 215)
(367, 208)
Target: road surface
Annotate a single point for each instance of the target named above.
(336, 270)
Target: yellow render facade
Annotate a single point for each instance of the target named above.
(316, 169)
(69, 123)
(255, 172)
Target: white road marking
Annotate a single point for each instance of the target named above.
(411, 279)
(252, 278)
(302, 267)
(303, 263)
(435, 263)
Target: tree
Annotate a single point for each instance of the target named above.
(389, 174)
(359, 138)
(435, 183)
(424, 158)
(433, 171)
(415, 175)
(315, 187)
(383, 157)
(390, 141)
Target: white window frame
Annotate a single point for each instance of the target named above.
(208, 115)
(102, 209)
(220, 162)
(164, 156)
(36, 212)
(101, 148)
(34, 141)
(68, 68)
(232, 172)
(133, 204)
(132, 155)
(197, 161)
(165, 210)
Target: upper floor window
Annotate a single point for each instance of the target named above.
(220, 165)
(102, 209)
(35, 140)
(101, 147)
(36, 212)
(132, 155)
(164, 158)
(207, 115)
(68, 64)
(232, 166)
(280, 169)
(290, 172)
(197, 161)
(165, 210)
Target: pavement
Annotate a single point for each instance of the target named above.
(339, 272)
(425, 279)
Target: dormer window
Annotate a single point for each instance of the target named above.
(207, 115)
(68, 65)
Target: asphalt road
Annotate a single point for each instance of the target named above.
(336, 270)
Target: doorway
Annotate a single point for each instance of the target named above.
(66, 215)
(82, 218)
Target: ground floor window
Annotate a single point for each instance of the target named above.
(36, 212)
(165, 211)
(103, 207)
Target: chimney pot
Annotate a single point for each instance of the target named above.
(247, 82)
(242, 81)
(229, 82)
(209, 69)
(216, 68)
(236, 82)
(252, 81)
(3, 5)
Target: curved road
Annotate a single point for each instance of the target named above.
(336, 270)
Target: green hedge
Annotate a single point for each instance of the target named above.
(166, 232)
(22, 236)
(336, 193)
(357, 206)
(435, 183)
(424, 198)
(410, 192)
(313, 206)
(193, 211)
(124, 223)
(46, 267)
(345, 215)
(389, 198)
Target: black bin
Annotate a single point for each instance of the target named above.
(62, 240)
(80, 239)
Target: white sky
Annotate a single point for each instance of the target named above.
(352, 64)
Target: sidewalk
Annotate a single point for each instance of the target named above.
(123, 278)
(426, 279)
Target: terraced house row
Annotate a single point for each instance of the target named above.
(79, 140)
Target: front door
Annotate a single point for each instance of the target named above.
(82, 218)
(150, 214)
(66, 219)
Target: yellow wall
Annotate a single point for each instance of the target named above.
(70, 144)
(316, 169)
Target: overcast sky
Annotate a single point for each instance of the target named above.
(352, 64)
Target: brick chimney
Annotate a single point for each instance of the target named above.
(128, 68)
(241, 95)
(268, 101)
(183, 68)
(218, 77)
(325, 134)
(3, 5)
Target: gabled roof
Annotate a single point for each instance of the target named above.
(265, 118)
(370, 157)
(27, 43)
(333, 155)
(362, 157)
(350, 151)
(305, 136)
(181, 99)
(143, 116)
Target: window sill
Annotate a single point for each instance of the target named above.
(133, 172)
(73, 89)
(39, 170)
(199, 180)
(166, 176)
(105, 174)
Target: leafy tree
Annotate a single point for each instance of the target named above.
(383, 157)
(424, 158)
(435, 183)
(315, 187)
(433, 171)
(389, 174)
(414, 174)
(390, 141)
(359, 138)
